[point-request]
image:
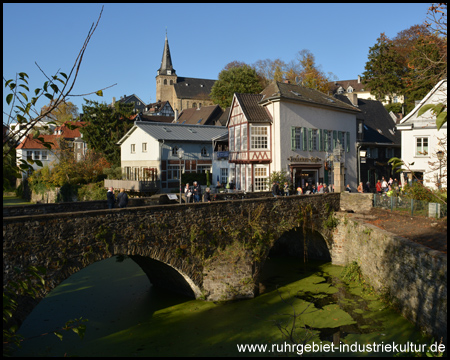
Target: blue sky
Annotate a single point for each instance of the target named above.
(127, 46)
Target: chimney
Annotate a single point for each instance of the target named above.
(353, 98)
(113, 101)
(359, 79)
(175, 119)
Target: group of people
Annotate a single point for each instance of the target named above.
(122, 198)
(194, 193)
(305, 190)
(382, 186)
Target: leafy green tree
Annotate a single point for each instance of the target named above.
(384, 70)
(105, 126)
(63, 112)
(241, 79)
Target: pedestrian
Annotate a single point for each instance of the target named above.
(122, 198)
(299, 191)
(286, 189)
(188, 193)
(314, 190)
(275, 189)
(110, 198)
(325, 189)
(197, 191)
(307, 189)
(367, 187)
(348, 188)
(360, 187)
(319, 187)
(207, 197)
(378, 187)
(390, 181)
(384, 185)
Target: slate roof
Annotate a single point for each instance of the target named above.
(177, 132)
(154, 118)
(303, 94)
(206, 115)
(251, 108)
(379, 127)
(222, 120)
(192, 88)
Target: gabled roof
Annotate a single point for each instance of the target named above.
(379, 127)
(30, 143)
(254, 112)
(302, 94)
(440, 95)
(206, 115)
(222, 120)
(357, 86)
(127, 99)
(69, 133)
(192, 88)
(177, 132)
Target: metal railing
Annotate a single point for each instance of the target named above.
(410, 206)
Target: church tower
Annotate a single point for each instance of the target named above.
(166, 77)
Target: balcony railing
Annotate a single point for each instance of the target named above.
(221, 155)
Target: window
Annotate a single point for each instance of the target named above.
(203, 168)
(172, 172)
(171, 82)
(296, 136)
(127, 172)
(372, 153)
(44, 155)
(238, 138)
(259, 137)
(389, 153)
(314, 140)
(175, 151)
(199, 105)
(133, 148)
(165, 81)
(395, 99)
(349, 89)
(261, 178)
(224, 175)
(421, 146)
(37, 155)
(244, 137)
(194, 105)
(29, 155)
(204, 151)
(144, 147)
(231, 141)
(348, 141)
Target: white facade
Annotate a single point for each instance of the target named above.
(421, 140)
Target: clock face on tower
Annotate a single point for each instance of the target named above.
(169, 72)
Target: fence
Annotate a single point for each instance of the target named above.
(410, 206)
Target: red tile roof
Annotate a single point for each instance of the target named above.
(30, 143)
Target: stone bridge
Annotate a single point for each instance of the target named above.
(212, 251)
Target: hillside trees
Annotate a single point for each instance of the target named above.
(105, 126)
(241, 79)
(63, 112)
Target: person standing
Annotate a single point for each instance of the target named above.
(188, 193)
(207, 197)
(197, 191)
(384, 185)
(348, 188)
(122, 198)
(275, 189)
(360, 188)
(110, 198)
(378, 187)
(286, 189)
(367, 187)
(325, 189)
(319, 188)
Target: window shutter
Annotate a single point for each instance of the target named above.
(348, 141)
(320, 140)
(325, 145)
(310, 134)
(305, 138)
(334, 139)
(292, 138)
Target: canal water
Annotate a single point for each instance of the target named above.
(129, 317)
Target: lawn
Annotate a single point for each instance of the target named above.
(13, 200)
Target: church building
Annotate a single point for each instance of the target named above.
(181, 92)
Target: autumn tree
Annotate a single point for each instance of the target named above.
(241, 79)
(63, 112)
(310, 74)
(105, 126)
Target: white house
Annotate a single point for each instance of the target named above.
(421, 140)
(290, 128)
(149, 152)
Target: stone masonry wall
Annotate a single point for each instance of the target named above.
(414, 275)
(194, 239)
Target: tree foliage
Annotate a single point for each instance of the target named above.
(242, 79)
(63, 112)
(105, 126)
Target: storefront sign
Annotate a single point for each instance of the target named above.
(304, 159)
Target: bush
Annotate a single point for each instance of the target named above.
(418, 191)
(93, 191)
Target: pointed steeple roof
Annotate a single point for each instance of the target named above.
(166, 62)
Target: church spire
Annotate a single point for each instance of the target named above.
(166, 62)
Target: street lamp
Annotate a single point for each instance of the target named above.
(440, 156)
(180, 156)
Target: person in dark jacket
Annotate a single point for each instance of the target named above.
(197, 191)
(207, 196)
(122, 198)
(275, 189)
(110, 198)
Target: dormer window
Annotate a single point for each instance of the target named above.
(340, 90)
(349, 89)
(204, 151)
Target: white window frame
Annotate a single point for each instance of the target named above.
(259, 137)
(260, 176)
(420, 148)
(231, 140)
(133, 148)
(144, 147)
(244, 137)
(173, 172)
(224, 175)
(44, 155)
(203, 168)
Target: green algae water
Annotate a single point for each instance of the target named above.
(129, 317)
